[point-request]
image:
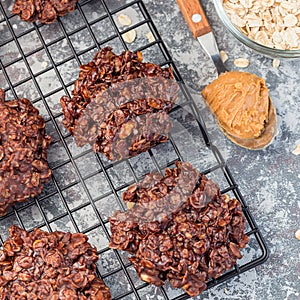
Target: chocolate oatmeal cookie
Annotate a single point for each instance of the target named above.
(120, 104)
(46, 11)
(39, 265)
(179, 228)
(23, 152)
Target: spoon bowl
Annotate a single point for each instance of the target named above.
(265, 139)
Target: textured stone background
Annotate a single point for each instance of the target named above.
(268, 179)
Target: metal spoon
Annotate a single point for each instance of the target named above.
(201, 30)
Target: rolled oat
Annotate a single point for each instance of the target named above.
(276, 63)
(275, 24)
(224, 56)
(129, 36)
(241, 62)
(124, 20)
(150, 37)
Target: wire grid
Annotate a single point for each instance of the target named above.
(41, 63)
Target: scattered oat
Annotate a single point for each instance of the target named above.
(275, 24)
(44, 64)
(241, 62)
(129, 36)
(276, 63)
(150, 37)
(297, 234)
(296, 151)
(226, 291)
(15, 26)
(124, 20)
(224, 56)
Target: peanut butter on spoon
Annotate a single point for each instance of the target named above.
(241, 104)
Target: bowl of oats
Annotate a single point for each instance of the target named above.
(269, 27)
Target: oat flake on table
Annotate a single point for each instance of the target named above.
(241, 62)
(296, 151)
(276, 63)
(273, 23)
(224, 56)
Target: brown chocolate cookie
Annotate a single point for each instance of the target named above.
(41, 265)
(46, 11)
(23, 152)
(120, 104)
(179, 228)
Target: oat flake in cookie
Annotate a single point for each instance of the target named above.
(41, 265)
(46, 11)
(179, 228)
(120, 104)
(23, 152)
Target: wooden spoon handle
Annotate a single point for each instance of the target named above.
(194, 16)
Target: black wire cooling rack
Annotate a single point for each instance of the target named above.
(41, 63)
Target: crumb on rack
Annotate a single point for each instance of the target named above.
(124, 20)
(150, 37)
(129, 36)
